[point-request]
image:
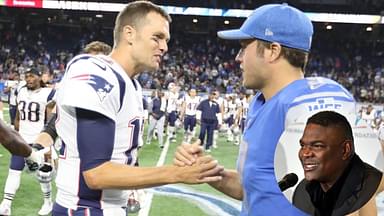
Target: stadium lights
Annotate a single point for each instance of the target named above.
(226, 22)
(369, 29)
(329, 27)
(195, 20)
(198, 11)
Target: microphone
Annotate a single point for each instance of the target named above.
(288, 181)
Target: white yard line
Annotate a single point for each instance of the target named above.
(212, 205)
(146, 207)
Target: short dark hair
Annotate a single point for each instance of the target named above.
(295, 57)
(133, 14)
(332, 119)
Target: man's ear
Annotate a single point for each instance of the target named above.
(347, 149)
(274, 51)
(128, 34)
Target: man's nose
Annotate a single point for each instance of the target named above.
(163, 46)
(305, 151)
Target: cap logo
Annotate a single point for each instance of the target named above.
(268, 32)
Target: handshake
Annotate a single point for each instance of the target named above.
(199, 168)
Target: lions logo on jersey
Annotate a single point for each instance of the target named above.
(99, 84)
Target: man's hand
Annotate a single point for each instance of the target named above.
(187, 154)
(204, 170)
(36, 159)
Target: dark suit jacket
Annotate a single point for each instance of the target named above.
(360, 184)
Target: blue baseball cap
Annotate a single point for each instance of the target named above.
(279, 23)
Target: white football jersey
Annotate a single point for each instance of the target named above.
(245, 107)
(231, 107)
(172, 101)
(381, 133)
(220, 101)
(31, 106)
(98, 84)
(191, 105)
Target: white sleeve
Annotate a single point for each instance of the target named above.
(219, 118)
(198, 115)
(91, 86)
(381, 134)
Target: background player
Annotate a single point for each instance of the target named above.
(220, 101)
(172, 99)
(157, 117)
(188, 114)
(230, 112)
(12, 87)
(32, 110)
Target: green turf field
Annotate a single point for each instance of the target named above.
(28, 199)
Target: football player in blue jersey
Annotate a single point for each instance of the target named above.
(275, 41)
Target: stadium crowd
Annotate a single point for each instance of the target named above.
(193, 60)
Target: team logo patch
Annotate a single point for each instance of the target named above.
(99, 84)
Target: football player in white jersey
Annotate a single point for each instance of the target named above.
(230, 111)
(99, 107)
(12, 86)
(219, 100)
(32, 109)
(188, 114)
(172, 101)
(244, 107)
(381, 136)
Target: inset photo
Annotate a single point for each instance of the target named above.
(327, 165)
